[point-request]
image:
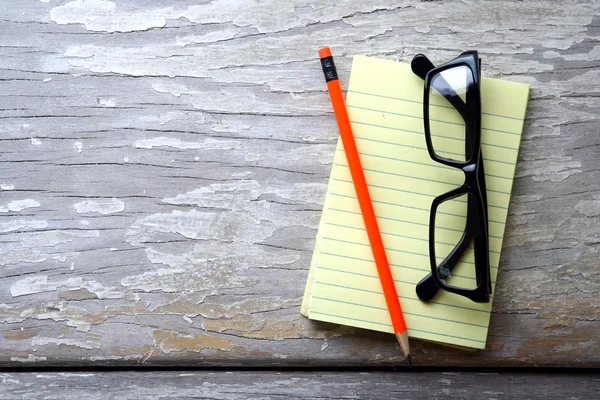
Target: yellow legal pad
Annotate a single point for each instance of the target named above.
(384, 102)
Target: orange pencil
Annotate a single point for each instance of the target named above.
(364, 200)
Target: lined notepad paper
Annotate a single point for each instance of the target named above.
(384, 102)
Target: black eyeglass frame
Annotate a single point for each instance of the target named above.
(476, 227)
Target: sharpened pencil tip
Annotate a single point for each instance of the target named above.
(409, 358)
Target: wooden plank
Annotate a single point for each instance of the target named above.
(163, 170)
(297, 385)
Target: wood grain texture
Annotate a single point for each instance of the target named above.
(163, 168)
(296, 385)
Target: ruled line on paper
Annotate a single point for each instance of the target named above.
(405, 221)
(416, 299)
(484, 144)
(451, 244)
(492, 264)
(453, 185)
(372, 185)
(495, 227)
(408, 206)
(412, 147)
(421, 103)
(479, 310)
(407, 313)
(412, 282)
(412, 298)
(431, 164)
(390, 326)
(420, 117)
(331, 290)
(420, 270)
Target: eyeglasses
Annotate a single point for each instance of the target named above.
(452, 125)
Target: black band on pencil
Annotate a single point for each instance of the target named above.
(329, 69)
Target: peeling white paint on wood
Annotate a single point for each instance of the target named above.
(589, 208)
(101, 206)
(207, 144)
(45, 341)
(107, 102)
(86, 12)
(52, 238)
(31, 358)
(39, 284)
(20, 224)
(19, 205)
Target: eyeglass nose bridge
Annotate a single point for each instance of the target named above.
(471, 176)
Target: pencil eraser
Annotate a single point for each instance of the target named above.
(324, 52)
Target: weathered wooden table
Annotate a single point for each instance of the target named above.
(163, 168)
